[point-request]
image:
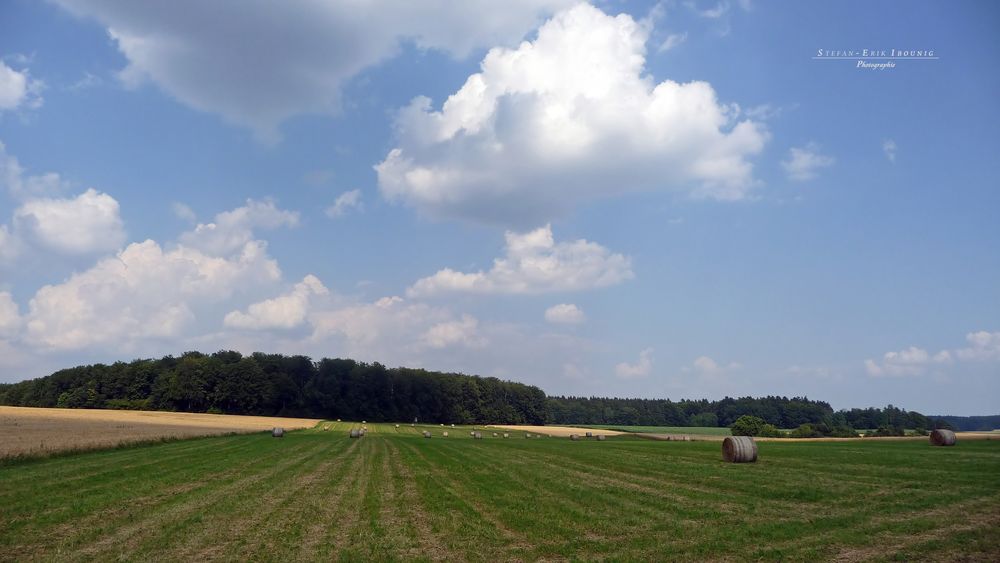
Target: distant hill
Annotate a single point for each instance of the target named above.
(971, 423)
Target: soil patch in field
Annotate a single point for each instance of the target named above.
(39, 431)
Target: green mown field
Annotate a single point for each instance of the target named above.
(393, 495)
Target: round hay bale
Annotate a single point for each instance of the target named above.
(739, 449)
(477, 435)
(574, 437)
(494, 434)
(355, 433)
(452, 424)
(506, 435)
(427, 434)
(942, 437)
(590, 434)
(471, 433)
(362, 432)
(338, 420)
(364, 422)
(600, 437)
(326, 428)
(278, 432)
(397, 426)
(526, 435)
(444, 434)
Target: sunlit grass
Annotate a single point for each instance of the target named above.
(393, 495)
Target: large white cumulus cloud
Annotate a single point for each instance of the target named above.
(46, 220)
(141, 293)
(569, 116)
(282, 312)
(258, 62)
(231, 230)
(534, 263)
(392, 327)
(89, 222)
(10, 317)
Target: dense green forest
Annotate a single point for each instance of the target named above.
(274, 384)
(972, 423)
(780, 412)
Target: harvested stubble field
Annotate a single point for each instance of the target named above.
(394, 495)
(720, 432)
(37, 432)
(558, 431)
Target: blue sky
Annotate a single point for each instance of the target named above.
(659, 199)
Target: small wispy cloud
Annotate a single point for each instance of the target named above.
(344, 203)
(763, 112)
(640, 369)
(804, 162)
(183, 212)
(318, 178)
(672, 40)
(86, 82)
(706, 366)
(889, 148)
(714, 13)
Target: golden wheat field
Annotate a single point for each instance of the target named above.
(30, 431)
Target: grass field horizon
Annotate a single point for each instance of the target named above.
(394, 495)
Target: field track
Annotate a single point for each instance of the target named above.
(319, 495)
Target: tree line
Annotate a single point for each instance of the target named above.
(278, 385)
(779, 411)
(972, 423)
(809, 417)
